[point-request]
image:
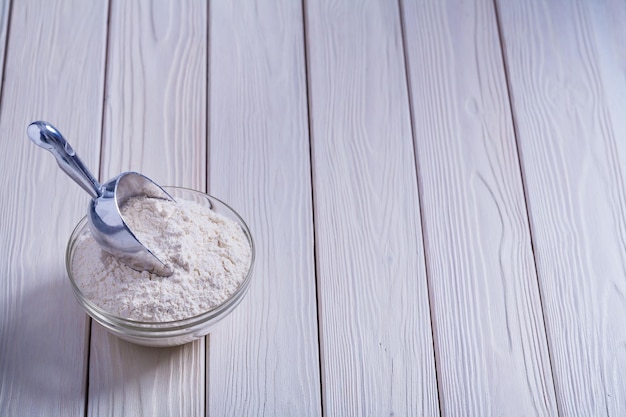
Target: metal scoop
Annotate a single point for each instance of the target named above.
(106, 223)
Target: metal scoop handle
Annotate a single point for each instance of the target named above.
(48, 137)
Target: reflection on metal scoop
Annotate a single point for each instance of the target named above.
(105, 220)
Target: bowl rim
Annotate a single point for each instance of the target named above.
(157, 329)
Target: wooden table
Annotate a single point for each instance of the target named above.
(436, 189)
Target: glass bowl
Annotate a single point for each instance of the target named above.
(168, 333)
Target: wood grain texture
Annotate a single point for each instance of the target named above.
(263, 360)
(55, 72)
(566, 63)
(376, 340)
(131, 380)
(489, 333)
(155, 106)
(155, 123)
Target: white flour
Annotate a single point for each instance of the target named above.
(208, 252)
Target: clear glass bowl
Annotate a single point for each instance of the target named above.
(170, 333)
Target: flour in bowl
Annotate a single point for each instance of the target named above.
(209, 253)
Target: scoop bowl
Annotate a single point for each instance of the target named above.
(105, 220)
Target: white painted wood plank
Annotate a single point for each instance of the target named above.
(155, 106)
(376, 340)
(490, 337)
(155, 123)
(54, 71)
(264, 360)
(4, 25)
(566, 63)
